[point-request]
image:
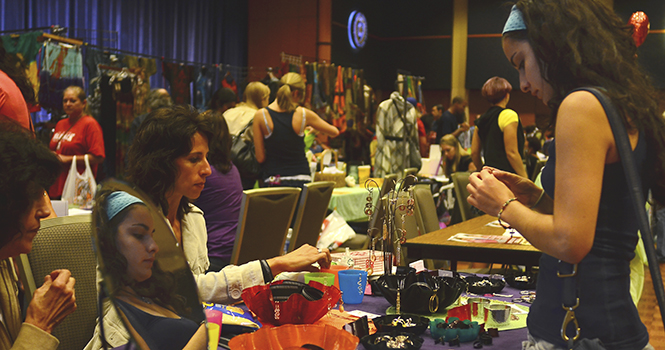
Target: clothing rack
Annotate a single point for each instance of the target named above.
(62, 39)
(127, 52)
(48, 36)
(117, 69)
(401, 84)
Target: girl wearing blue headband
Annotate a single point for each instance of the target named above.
(145, 293)
(168, 160)
(558, 46)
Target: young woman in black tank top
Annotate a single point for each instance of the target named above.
(279, 131)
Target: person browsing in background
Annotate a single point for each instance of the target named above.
(16, 91)
(222, 100)
(254, 97)
(437, 112)
(454, 158)
(238, 118)
(423, 145)
(584, 215)
(27, 168)
(222, 195)
(169, 162)
(498, 131)
(451, 120)
(77, 135)
(279, 135)
(427, 119)
(157, 98)
(125, 231)
(531, 149)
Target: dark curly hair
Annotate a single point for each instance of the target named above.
(164, 135)
(584, 43)
(159, 287)
(27, 168)
(220, 143)
(15, 69)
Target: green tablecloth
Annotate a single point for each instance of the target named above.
(350, 202)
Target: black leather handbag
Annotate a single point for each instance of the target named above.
(243, 155)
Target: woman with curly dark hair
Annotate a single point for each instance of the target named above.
(26, 168)
(16, 91)
(557, 47)
(125, 229)
(168, 161)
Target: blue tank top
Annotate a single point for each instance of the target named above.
(606, 309)
(166, 333)
(285, 149)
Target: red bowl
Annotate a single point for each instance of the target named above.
(290, 302)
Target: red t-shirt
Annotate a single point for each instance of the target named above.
(84, 137)
(12, 104)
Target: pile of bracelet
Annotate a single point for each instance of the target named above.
(380, 341)
(399, 321)
(526, 296)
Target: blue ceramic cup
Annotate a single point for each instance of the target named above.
(352, 283)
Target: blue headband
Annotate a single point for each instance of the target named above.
(515, 21)
(118, 201)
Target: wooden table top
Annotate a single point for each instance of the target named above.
(435, 245)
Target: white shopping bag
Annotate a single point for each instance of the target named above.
(80, 188)
(335, 232)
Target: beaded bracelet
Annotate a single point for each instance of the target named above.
(539, 198)
(501, 211)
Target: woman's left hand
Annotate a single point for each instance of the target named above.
(486, 192)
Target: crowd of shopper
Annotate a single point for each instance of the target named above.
(181, 159)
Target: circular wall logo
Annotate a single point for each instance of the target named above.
(357, 30)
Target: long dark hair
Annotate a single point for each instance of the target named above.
(584, 43)
(15, 69)
(161, 285)
(220, 144)
(27, 168)
(164, 135)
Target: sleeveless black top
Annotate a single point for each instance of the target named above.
(606, 309)
(285, 150)
(161, 332)
(494, 150)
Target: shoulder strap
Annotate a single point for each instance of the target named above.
(304, 122)
(265, 120)
(635, 185)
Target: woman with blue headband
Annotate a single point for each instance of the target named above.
(168, 162)
(558, 46)
(141, 289)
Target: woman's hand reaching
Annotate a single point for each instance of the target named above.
(300, 259)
